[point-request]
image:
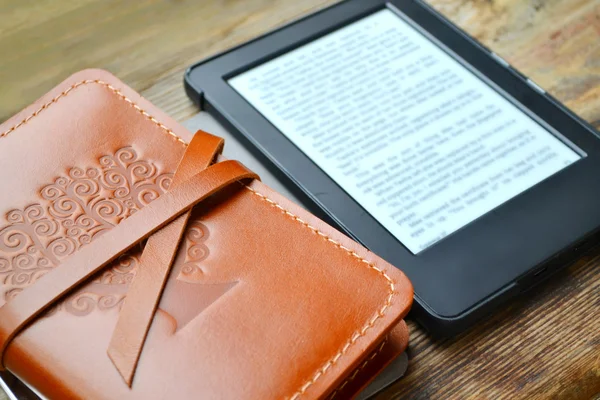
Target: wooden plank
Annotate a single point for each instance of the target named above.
(546, 344)
(147, 43)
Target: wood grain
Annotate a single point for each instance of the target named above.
(544, 345)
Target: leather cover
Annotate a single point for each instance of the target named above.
(264, 300)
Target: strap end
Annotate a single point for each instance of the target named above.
(123, 365)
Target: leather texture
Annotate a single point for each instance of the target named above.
(263, 300)
(387, 351)
(82, 264)
(157, 259)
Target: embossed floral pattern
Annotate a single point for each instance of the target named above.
(74, 210)
(196, 251)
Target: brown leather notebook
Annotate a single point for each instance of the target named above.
(136, 263)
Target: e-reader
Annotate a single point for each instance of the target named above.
(418, 142)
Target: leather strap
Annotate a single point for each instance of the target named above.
(82, 265)
(144, 293)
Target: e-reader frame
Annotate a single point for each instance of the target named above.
(468, 273)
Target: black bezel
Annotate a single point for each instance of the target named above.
(461, 277)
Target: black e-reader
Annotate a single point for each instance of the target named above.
(421, 144)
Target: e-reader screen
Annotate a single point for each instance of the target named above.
(419, 140)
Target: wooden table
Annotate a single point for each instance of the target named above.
(545, 345)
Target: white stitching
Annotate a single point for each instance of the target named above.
(357, 370)
(108, 86)
(356, 336)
